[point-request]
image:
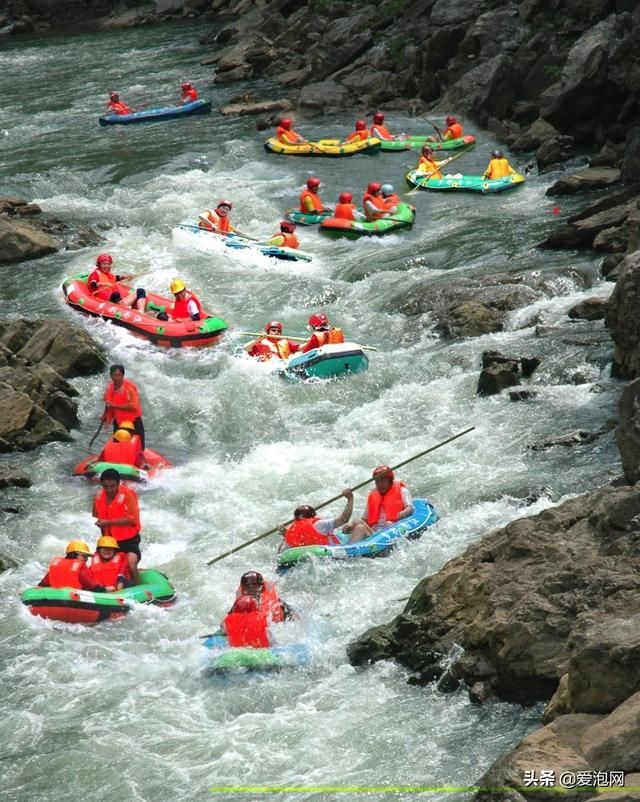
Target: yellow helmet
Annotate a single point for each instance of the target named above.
(127, 424)
(107, 542)
(177, 285)
(78, 546)
(122, 435)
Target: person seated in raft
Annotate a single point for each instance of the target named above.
(265, 595)
(186, 306)
(309, 529)
(359, 134)
(286, 237)
(273, 344)
(499, 167)
(427, 164)
(391, 200)
(116, 106)
(71, 571)
(452, 131)
(380, 131)
(124, 448)
(117, 513)
(245, 625)
(287, 135)
(103, 284)
(310, 202)
(109, 566)
(346, 208)
(373, 202)
(218, 220)
(388, 503)
(189, 93)
(323, 333)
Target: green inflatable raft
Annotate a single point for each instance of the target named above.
(305, 218)
(402, 218)
(465, 183)
(416, 142)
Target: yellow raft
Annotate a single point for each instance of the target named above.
(323, 147)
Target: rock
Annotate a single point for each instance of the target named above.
(630, 173)
(481, 692)
(610, 155)
(577, 438)
(13, 477)
(622, 320)
(609, 266)
(553, 151)
(500, 371)
(628, 431)
(20, 242)
(559, 704)
(582, 232)
(6, 563)
(67, 348)
(257, 108)
(536, 134)
(615, 740)
(589, 309)
(472, 319)
(325, 97)
(522, 395)
(591, 178)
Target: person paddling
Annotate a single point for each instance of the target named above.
(391, 200)
(427, 164)
(103, 284)
(388, 503)
(346, 208)
(265, 594)
(117, 106)
(323, 333)
(217, 220)
(309, 529)
(117, 514)
(245, 626)
(499, 167)
(272, 345)
(189, 93)
(310, 202)
(286, 238)
(122, 403)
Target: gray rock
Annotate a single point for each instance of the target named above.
(628, 431)
(13, 477)
(589, 309)
(20, 242)
(591, 178)
(615, 740)
(534, 136)
(498, 377)
(324, 97)
(622, 318)
(631, 162)
(256, 108)
(6, 563)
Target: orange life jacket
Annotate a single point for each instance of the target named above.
(117, 509)
(428, 166)
(345, 211)
(288, 240)
(453, 132)
(269, 603)
(303, 533)
(118, 107)
(122, 453)
(180, 309)
(106, 572)
(332, 336)
(378, 202)
(380, 132)
(217, 222)
(267, 347)
(65, 573)
(102, 277)
(288, 137)
(357, 136)
(247, 629)
(121, 396)
(391, 200)
(498, 168)
(391, 503)
(316, 203)
(189, 96)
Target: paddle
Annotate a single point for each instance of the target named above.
(102, 422)
(437, 130)
(217, 230)
(291, 337)
(440, 166)
(135, 275)
(335, 498)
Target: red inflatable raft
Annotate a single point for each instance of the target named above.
(91, 467)
(166, 333)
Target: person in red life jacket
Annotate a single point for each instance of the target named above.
(245, 625)
(117, 514)
(123, 448)
(309, 529)
(71, 571)
(286, 238)
(189, 93)
(388, 503)
(186, 306)
(217, 220)
(391, 200)
(453, 129)
(380, 131)
(116, 106)
(323, 333)
(103, 284)
(109, 566)
(346, 208)
(287, 135)
(359, 134)
(122, 403)
(273, 344)
(310, 202)
(373, 202)
(253, 584)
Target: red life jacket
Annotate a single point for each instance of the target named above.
(118, 107)
(117, 509)
(345, 211)
(391, 200)
(189, 95)
(65, 573)
(313, 197)
(358, 136)
(288, 240)
(455, 130)
(106, 572)
(379, 131)
(180, 309)
(269, 602)
(267, 347)
(121, 396)
(378, 202)
(287, 137)
(247, 629)
(391, 503)
(100, 277)
(122, 453)
(303, 533)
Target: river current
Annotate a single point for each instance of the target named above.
(122, 711)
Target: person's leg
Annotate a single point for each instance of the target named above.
(360, 531)
(139, 427)
(132, 559)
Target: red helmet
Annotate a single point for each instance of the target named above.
(104, 257)
(345, 197)
(378, 117)
(319, 319)
(304, 511)
(286, 123)
(450, 120)
(186, 85)
(360, 125)
(252, 578)
(224, 203)
(313, 182)
(274, 324)
(244, 604)
(382, 472)
(287, 226)
(373, 186)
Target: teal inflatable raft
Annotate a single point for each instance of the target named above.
(307, 218)
(416, 142)
(464, 183)
(402, 218)
(327, 362)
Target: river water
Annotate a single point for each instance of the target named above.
(122, 711)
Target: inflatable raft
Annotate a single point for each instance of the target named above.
(416, 142)
(324, 147)
(326, 362)
(165, 333)
(222, 658)
(91, 467)
(377, 545)
(162, 113)
(201, 237)
(464, 183)
(87, 607)
(403, 217)
(306, 218)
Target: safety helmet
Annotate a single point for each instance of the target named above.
(224, 203)
(361, 125)
(450, 120)
(304, 511)
(319, 319)
(107, 542)
(252, 578)
(177, 285)
(378, 117)
(496, 154)
(313, 182)
(274, 324)
(104, 257)
(287, 226)
(127, 424)
(78, 547)
(286, 123)
(373, 186)
(382, 472)
(387, 189)
(113, 95)
(244, 604)
(345, 197)
(122, 435)
(186, 85)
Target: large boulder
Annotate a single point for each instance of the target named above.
(585, 180)
(631, 161)
(614, 742)
(324, 97)
(628, 431)
(66, 347)
(622, 318)
(11, 476)
(20, 242)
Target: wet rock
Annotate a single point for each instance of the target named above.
(500, 371)
(622, 318)
(630, 173)
(67, 348)
(609, 267)
(587, 180)
(534, 136)
(13, 477)
(581, 233)
(628, 431)
(522, 395)
(589, 309)
(20, 242)
(481, 692)
(472, 319)
(256, 108)
(610, 155)
(325, 97)
(577, 438)
(6, 563)
(553, 151)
